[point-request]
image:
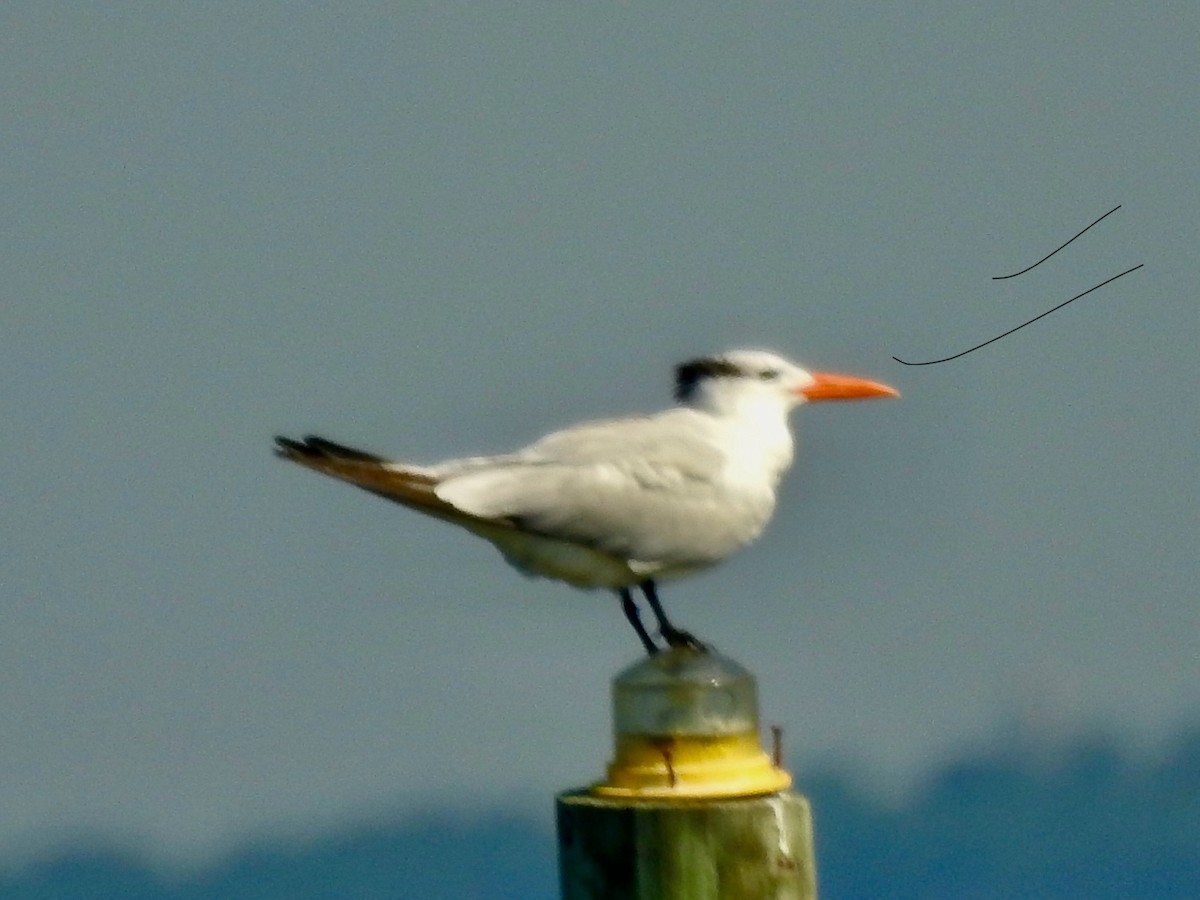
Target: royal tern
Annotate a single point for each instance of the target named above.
(621, 503)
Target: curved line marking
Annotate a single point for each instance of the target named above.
(1048, 255)
(1019, 327)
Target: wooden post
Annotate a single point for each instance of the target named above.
(753, 848)
(692, 808)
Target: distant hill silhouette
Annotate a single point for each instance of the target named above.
(1079, 821)
(491, 858)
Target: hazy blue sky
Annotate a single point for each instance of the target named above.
(444, 229)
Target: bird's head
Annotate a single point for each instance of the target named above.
(756, 377)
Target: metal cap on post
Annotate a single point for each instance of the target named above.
(685, 724)
(692, 808)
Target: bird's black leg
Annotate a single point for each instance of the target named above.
(635, 619)
(674, 637)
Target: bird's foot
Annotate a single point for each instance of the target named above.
(677, 637)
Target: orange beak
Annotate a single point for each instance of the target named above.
(844, 387)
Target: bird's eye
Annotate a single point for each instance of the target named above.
(769, 374)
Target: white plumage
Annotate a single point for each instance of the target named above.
(623, 502)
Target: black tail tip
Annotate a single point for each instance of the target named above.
(288, 447)
(312, 446)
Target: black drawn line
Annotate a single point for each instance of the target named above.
(1019, 327)
(1048, 255)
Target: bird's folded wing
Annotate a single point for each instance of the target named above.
(631, 488)
(638, 513)
(678, 438)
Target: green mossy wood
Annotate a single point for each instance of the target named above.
(753, 848)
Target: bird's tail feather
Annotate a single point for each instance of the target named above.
(409, 486)
(314, 447)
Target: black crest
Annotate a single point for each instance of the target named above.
(690, 374)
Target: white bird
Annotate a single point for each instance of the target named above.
(623, 502)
